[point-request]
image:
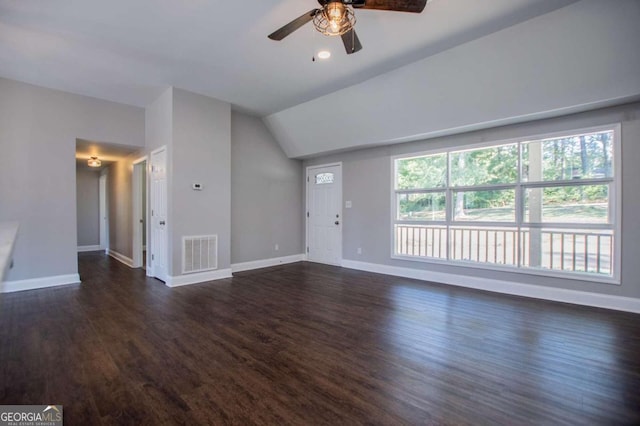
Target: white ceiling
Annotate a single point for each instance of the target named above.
(130, 51)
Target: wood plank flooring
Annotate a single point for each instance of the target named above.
(312, 344)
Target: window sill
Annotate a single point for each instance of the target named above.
(576, 276)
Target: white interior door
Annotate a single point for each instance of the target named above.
(138, 182)
(324, 214)
(102, 194)
(159, 232)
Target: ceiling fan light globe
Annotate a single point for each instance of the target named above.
(335, 11)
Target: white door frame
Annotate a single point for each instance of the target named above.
(136, 182)
(103, 211)
(306, 211)
(151, 268)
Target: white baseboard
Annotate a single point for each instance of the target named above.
(89, 248)
(120, 257)
(265, 263)
(35, 283)
(619, 303)
(199, 277)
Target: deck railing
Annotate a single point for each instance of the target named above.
(563, 250)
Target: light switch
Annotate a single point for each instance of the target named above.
(347, 204)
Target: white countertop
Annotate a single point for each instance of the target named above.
(8, 233)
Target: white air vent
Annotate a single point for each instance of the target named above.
(199, 253)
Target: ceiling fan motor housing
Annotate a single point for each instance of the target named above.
(355, 3)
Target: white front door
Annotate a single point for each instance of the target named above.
(158, 200)
(324, 214)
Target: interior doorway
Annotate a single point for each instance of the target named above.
(91, 209)
(104, 202)
(140, 208)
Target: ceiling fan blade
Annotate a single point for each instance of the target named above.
(415, 6)
(293, 25)
(351, 41)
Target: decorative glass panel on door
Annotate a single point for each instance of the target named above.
(322, 178)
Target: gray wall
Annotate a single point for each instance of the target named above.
(40, 126)
(266, 194)
(367, 183)
(88, 206)
(569, 60)
(198, 133)
(159, 122)
(200, 152)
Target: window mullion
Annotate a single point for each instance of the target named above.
(612, 203)
(519, 207)
(419, 191)
(489, 187)
(448, 206)
(559, 183)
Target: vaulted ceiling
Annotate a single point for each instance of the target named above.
(129, 51)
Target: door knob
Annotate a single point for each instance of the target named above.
(337, 223)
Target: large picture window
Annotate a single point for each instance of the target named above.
(544, 206)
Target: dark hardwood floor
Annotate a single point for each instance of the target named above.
(312, 344)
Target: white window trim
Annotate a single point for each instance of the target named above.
(615, 207)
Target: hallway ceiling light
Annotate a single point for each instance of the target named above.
(94, 162)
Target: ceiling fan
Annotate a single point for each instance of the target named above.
(337, 18)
